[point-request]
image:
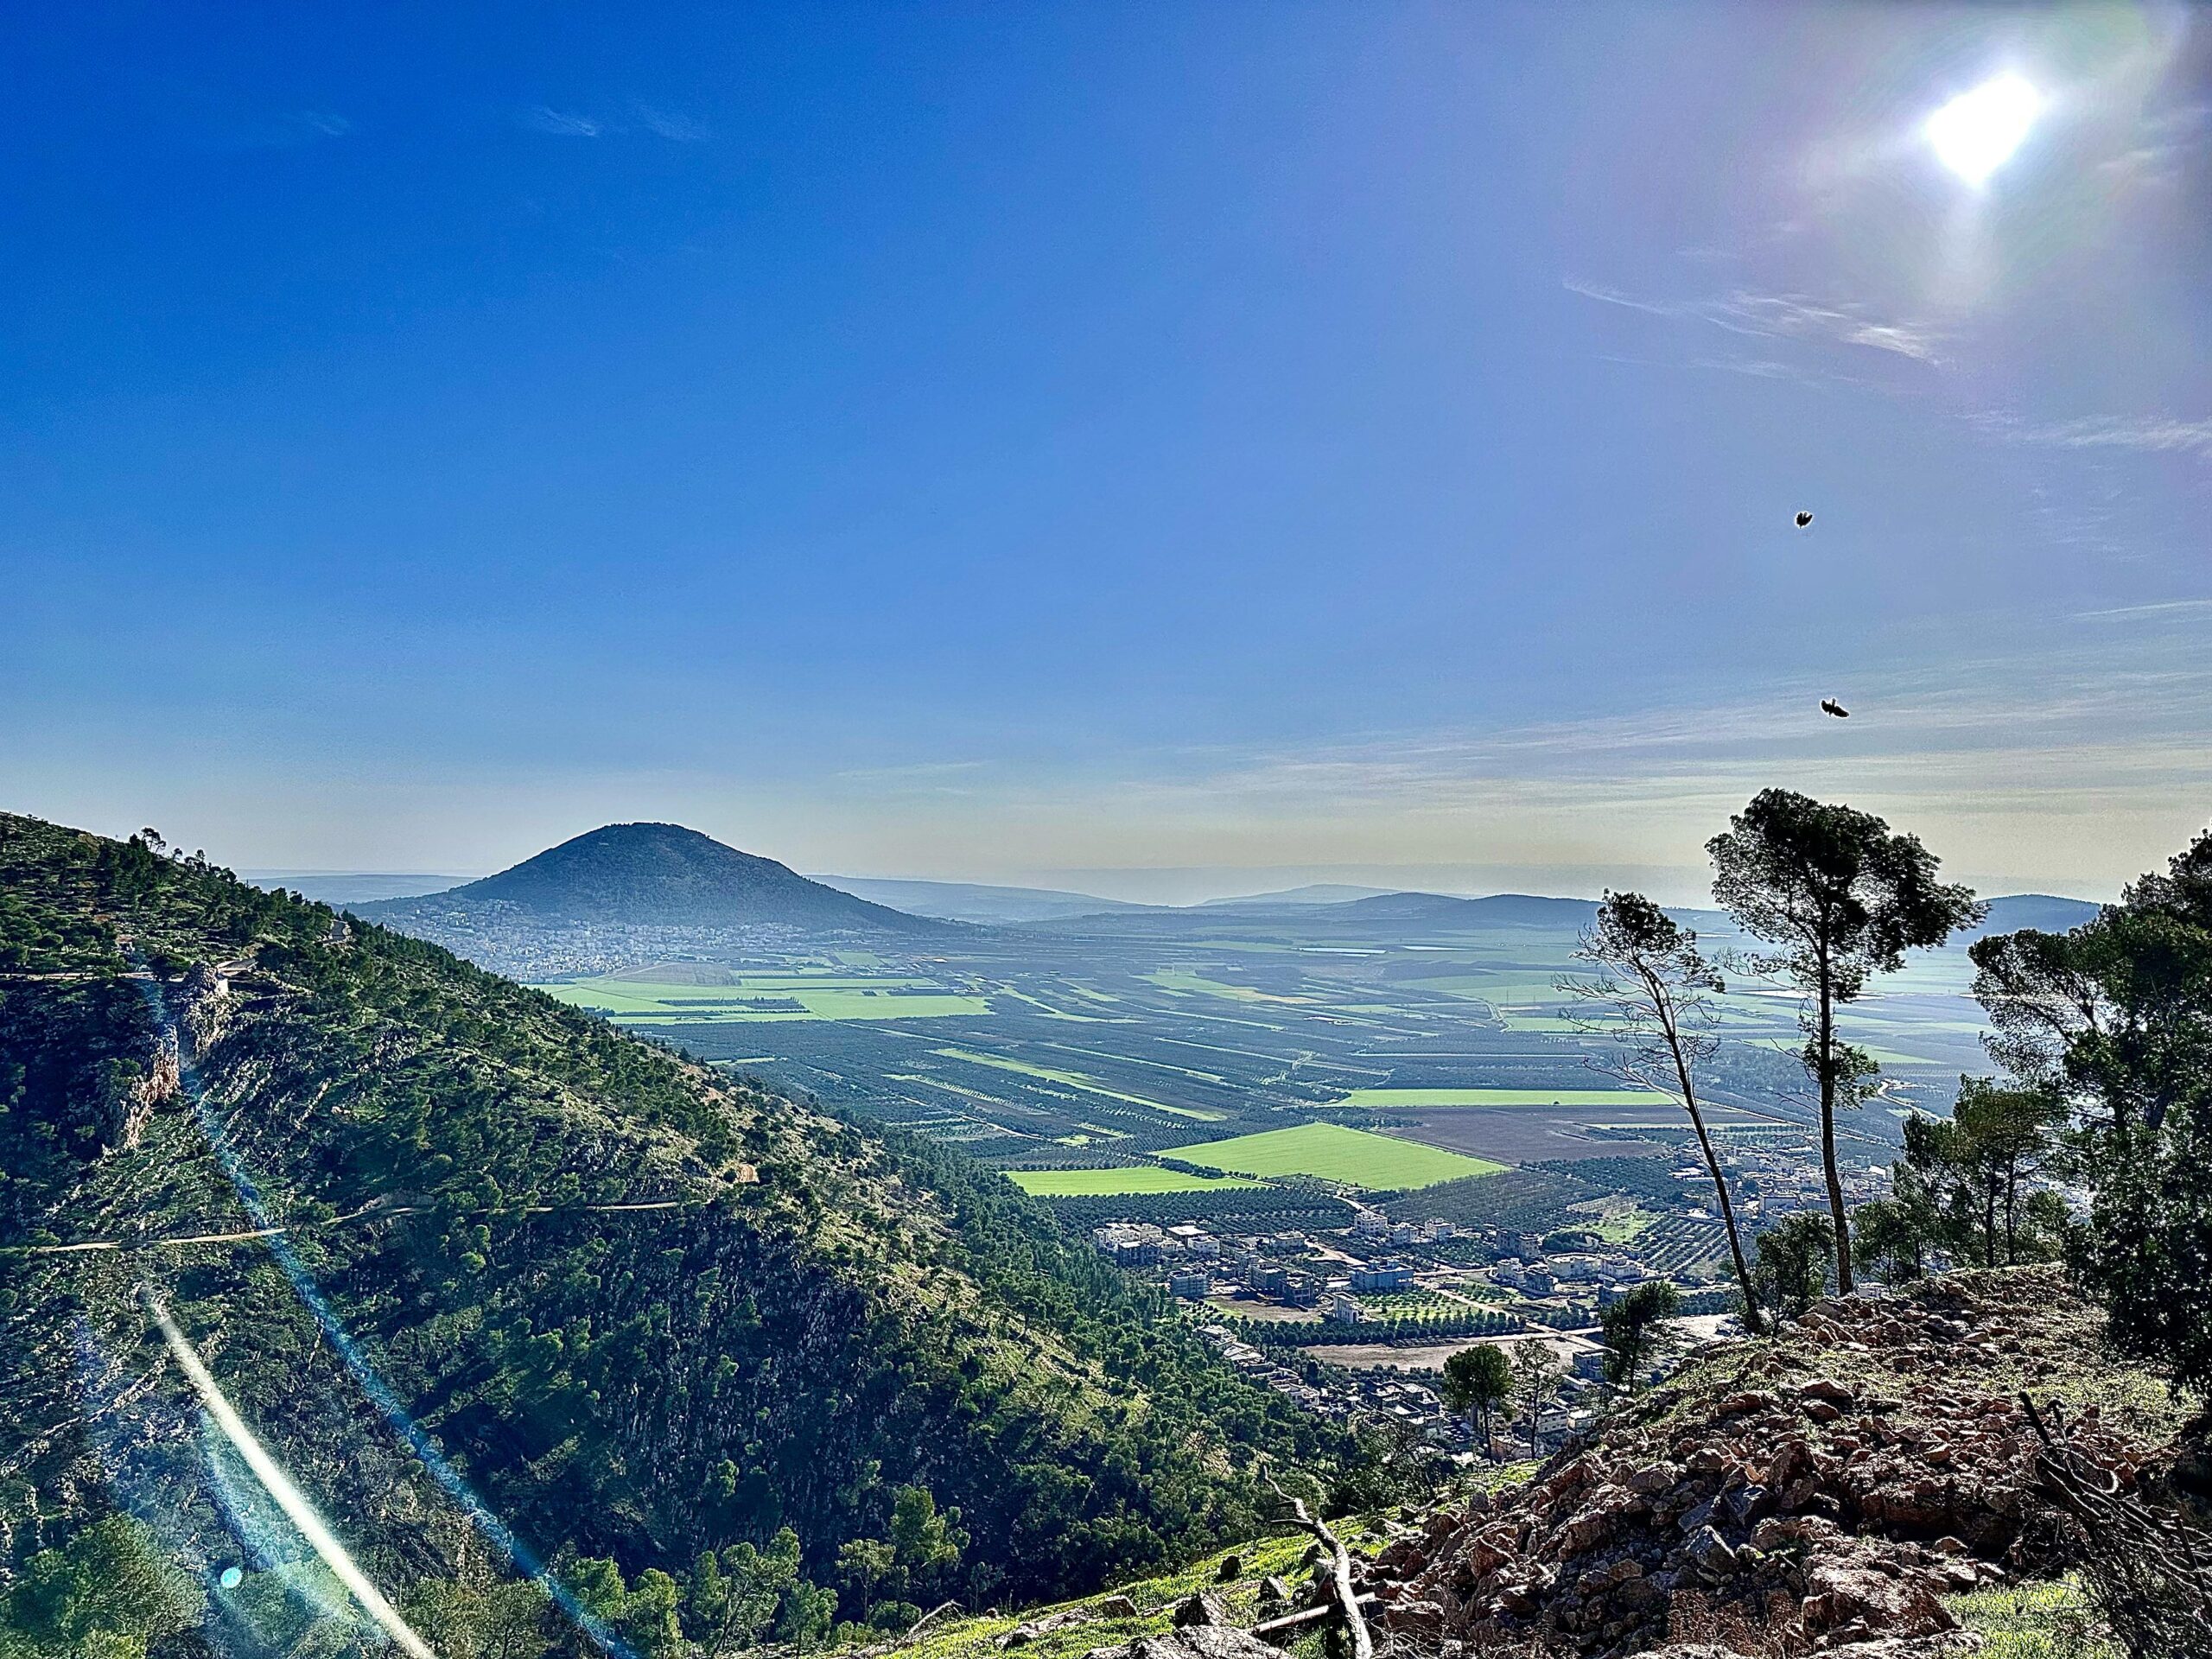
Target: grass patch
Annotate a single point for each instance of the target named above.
(1107, 1183)
(2033, 1621)
(1331, 1152)
(1614, 1222)
(1181, 982)
(1154, 1599)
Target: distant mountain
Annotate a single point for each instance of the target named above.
(966, 901)
(2044, 912)
(1316, 892)
(1498, 909)
(1377, 917)
(653, 876)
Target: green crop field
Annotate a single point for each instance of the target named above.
(820, 996)
(1111, 1183)
(1380, 1097)
(1073, 1080)
(1180, 981)
(1333, 1153)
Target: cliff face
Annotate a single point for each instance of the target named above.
(1817, 1492)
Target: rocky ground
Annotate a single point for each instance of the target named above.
(1855, 1488)
(1821, 1492)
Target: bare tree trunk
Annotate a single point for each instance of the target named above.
(1827, 1068)
(2012, 1215)
(1753, 1321)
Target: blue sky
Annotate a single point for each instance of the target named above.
(998, 441)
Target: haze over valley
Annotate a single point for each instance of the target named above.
(1059, 1039)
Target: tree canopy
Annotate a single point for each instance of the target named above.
(1842, 897)
(2113, 1021)
(1635, 1333)
(1476, 1380)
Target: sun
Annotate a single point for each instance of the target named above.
(1976, 132)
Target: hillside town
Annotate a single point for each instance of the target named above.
(1357, 1321)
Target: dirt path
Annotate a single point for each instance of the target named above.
(371, 1211)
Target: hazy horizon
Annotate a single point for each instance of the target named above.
(1198, 885)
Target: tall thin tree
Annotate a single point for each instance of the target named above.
(1476, 1380)
(1844, 897)
(1651, 991)
(1537, 1374)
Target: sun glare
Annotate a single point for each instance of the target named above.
(1976, 132)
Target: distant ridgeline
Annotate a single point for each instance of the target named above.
(637, 1311)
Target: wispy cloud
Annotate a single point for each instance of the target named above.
(2162, 610)
(562, 124)
(2151, 434)
(666, 124)
(1784, 316)
(278, 130)
(2164, 143)
(923, 777)
(670, 124)
(2061, 731)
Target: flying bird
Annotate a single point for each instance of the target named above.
(1830, 706)
(1803, 519)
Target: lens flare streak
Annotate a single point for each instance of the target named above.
(379, 1393)
(279, 1486)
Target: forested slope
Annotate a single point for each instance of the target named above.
(809, 1322)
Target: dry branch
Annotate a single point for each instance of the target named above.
(2149, 1569)
(1347, 1599)
(1276, 1632)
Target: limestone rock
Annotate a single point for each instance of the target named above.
(1192, 1641)
(1203, 1608)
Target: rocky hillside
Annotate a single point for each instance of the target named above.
(1831, 1488)
(469, 1260)
(1859, 1486)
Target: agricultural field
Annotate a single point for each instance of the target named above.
(1527, 1135)
(1074, 1080)
(1147, 1032)
(1613, 1219)
(1331, 1152)
(1106, 1183)
(766, 997)
(1386, 1099)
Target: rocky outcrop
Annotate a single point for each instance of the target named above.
(1814, 1494)
(110, 1116)
(202, 1004)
